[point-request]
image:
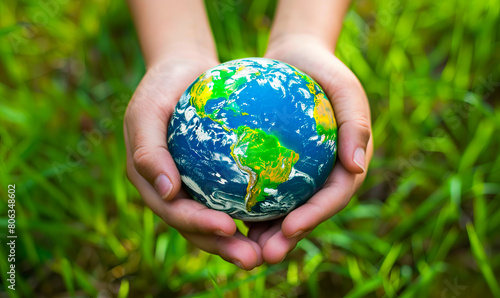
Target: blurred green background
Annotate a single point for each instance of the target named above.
(425, 223)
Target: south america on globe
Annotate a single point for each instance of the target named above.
(254, 138)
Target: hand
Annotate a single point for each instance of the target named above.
(153, 172)
(355, 144)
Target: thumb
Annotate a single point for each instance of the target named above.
(146, 131)
(352, 113)
(354, 136)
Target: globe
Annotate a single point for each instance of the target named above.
(254, 138)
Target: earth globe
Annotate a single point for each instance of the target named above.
(254, 138)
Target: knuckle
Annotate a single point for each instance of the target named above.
(364, 129)
(342, 79)
(361, 119)
(360, 123)
(141, 158)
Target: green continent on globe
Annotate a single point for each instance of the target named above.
(323, 115)
(219, 85)
(258, 154)
(323, 112)
(264, 159)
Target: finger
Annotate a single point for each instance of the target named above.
(277, 247)
(268, 233)
(332, 198)
(145, 125)
(353, 140)
(255, 245)
(182, 212)
(256, 229)
(352, 113)
(188, 215)
(236, 249)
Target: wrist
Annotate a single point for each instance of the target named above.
(285, 42)
(318, 21)
(184, 52)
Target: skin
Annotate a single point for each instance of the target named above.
(304, 34)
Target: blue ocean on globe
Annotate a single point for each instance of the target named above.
(254, 138)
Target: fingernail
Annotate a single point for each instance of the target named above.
(359, 158)
(238, 263)
(221, 233)
(163, 186)
(298, 233)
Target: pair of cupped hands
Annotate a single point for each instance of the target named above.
(152, 170)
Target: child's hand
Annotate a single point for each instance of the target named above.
(355, 144)
(304, 34)
(153, 172)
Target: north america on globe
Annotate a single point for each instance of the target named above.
(254, 138)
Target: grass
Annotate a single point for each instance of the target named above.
(425, 222)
